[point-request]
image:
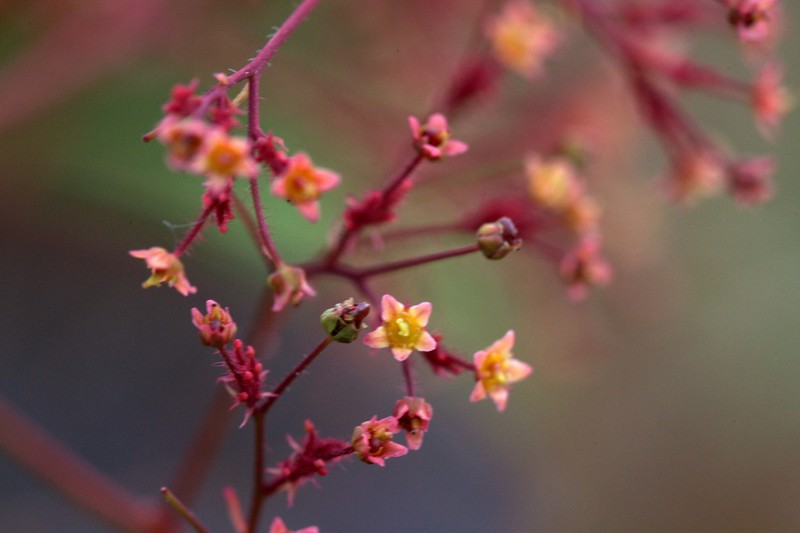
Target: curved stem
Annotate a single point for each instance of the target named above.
(40, 453)
(267, 244)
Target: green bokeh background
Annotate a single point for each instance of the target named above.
(667, 402)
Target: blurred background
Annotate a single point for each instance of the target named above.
(667, 401)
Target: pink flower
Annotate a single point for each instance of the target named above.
(403, 328)
(302, 183)
(496, 370)
(373, 443)
(694, 174)
(750, 180)
(224, 157)
(770, 99)
(584, 266)
(278, 526)
(216, 327)
(752, 19)
(184, 139)
(165, 268)
(289, 285)
(552, 182)
(432, 139)
(413, 415)
(522, 38)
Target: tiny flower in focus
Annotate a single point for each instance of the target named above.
(165, 268)
(413, 415)
(216, 327)
(552, 183)
(289, 285)
(770, 99)
(432, 139)
(403, 328)
(278, 526)
(497, 239)
(301, 183)
(373, 443)
(224, 157)
(752, 19)
(694, 174)
(522, 38)
(496, 369)
(583, 267)
(343, 321)
(184, 139)
(750, 180)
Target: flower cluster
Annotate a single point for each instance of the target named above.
(556, 189)
(548, 205)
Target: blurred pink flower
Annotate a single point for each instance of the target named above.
(496, 370)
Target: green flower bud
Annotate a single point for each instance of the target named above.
(344, 320)
(497, 239)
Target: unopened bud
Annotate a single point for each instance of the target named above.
(497, 239)
(216, 327)
(344, 320)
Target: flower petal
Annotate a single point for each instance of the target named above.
(422, 313)
(377, 338)
(390, 307)
(401, 354)
(426, 342)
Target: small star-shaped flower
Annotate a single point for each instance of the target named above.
(403, 328)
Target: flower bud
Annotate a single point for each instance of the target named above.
(344, 320)
(216, 327)
(497, 239)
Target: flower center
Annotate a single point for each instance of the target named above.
(223, 159)
(301, 186)
(403, 331)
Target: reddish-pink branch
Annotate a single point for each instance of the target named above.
(40, 453)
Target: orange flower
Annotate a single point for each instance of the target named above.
(522, 38)
(224, 157)
(302, 184)
(496, 370)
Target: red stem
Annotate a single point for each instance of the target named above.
(88, 488)
(257, 498)
(195, 231)
(291, 376)
(267, 244)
